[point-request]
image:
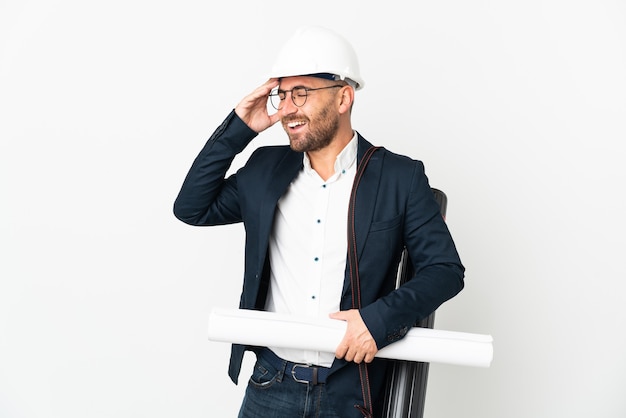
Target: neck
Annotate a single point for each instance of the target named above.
(323, 160)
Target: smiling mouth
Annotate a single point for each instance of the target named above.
(295, 124)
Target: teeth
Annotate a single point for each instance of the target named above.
(294, 124)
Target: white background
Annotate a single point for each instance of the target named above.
(517, 108)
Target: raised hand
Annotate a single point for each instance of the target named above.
(253, 108)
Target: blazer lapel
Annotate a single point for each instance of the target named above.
(284, 173)
(366, 194)
(364, 208)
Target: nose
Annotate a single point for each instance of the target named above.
(289, 106)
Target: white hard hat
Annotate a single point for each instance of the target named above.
(316, 50)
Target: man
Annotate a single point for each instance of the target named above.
(294, 202)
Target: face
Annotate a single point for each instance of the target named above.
(312, 126)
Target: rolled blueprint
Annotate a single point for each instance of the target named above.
(268, 329)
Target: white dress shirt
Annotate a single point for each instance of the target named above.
(308, 247)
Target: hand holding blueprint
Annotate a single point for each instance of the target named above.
(261, 328)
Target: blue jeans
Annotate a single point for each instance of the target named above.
(273, 393)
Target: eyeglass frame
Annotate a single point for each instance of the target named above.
(277, 93)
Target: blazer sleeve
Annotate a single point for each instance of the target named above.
(206, 196)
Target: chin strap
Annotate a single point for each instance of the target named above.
(366, 408)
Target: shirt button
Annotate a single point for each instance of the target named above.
(316, 259)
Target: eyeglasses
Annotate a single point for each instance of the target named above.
(298, 95)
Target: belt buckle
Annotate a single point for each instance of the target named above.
(313, 369)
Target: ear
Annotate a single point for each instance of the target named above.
(346, 99)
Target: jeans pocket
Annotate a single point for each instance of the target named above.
(263, 375)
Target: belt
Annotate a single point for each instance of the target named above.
(302, 373)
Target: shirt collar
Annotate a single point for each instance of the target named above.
(343, 162)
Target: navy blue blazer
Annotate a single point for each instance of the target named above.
(395, 208)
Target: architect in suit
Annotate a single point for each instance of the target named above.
(294, 202)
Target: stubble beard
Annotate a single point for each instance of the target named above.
(318, 136)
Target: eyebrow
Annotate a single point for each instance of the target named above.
(295, 87)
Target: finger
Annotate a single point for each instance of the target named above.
(338, 315)
(258, 95)
(370, 354)
(356, 353)
(274, 118)
(341, 351)
(265, 89)
(349, 355)
(358, 357)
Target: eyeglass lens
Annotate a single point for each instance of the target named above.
(298, 96)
